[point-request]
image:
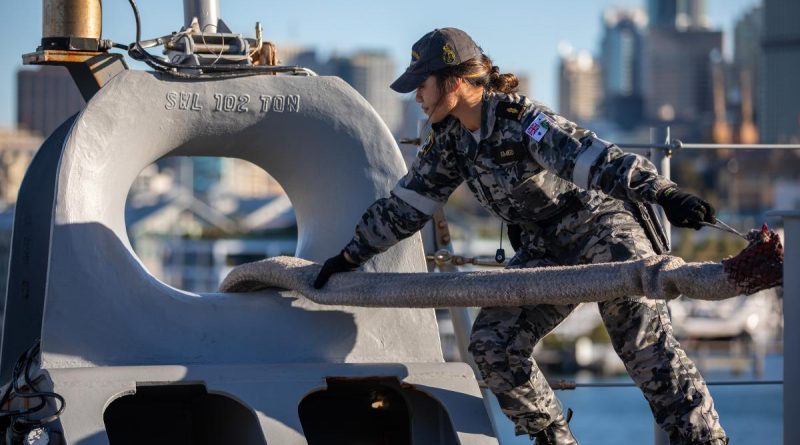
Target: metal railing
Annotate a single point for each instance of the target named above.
(661, 148)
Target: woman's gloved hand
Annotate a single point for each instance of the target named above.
(333, 265)
(686, 210)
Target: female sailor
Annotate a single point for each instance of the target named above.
(571, 198)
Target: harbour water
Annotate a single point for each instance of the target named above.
(751, 414)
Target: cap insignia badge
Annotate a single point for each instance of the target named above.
(448, 54)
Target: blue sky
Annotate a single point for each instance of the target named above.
(521, 36)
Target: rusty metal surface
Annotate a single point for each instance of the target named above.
(90, 70)
(58, 57)
(76, 18)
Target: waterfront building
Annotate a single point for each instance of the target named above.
(242, 178)
(298, 55)
(678, 83)
(677, 14)
(525, 86)
(676, 68)
(192, 245)
(780, 109)
(46, 97)
(16, 151)
(748, 56)
(368, 72)
(579, 87)
(371, 73)
(17, 148)
(621, 60)
(662, 12)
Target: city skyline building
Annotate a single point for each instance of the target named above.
(525, 86)
(46, 97)
(747, 35)
(413, 119)
(368, 72)
(621, 61)
(748, 71)
(17, 148)
(371, 73)
(245, 179)
(298, 55)
(662, 13)
(580, 89)
(678, 14)
(780, 106)
(692, 15)
(677, 80)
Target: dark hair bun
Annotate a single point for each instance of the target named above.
(504, 83)
(478, 72)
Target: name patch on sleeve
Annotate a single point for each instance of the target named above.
(539, 127)
(513, 152)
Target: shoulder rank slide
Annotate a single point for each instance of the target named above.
(510, 110)
(427, 144)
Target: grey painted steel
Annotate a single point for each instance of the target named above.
(273, 393)
(661, 161)
(325, 145)
(30, 252)
(791, 325)
(104, 312)
(206, 11)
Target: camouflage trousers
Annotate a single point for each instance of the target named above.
(503, 338)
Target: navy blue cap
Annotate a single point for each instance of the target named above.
(436, 50)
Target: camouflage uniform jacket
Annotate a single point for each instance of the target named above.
(530, 167)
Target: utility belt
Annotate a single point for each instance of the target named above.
(646, 215)
(573, 204)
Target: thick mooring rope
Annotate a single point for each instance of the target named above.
(662, 277)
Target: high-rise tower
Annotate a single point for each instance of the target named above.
(780, 110)
(621, 59)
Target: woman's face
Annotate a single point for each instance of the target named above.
(435, 103)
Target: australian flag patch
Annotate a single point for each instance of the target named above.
(539, 127)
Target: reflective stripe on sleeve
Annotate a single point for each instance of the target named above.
(424, 204)
(583, 165)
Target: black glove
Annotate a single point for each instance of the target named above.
(333, 265)
(686, 210)
(515, 236)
